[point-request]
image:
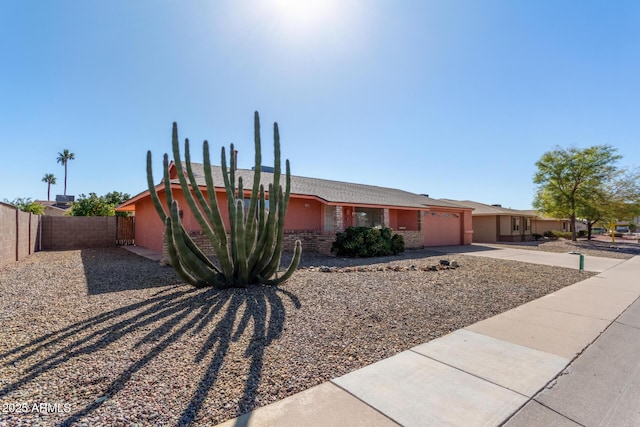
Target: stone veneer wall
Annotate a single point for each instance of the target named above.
(412, 239)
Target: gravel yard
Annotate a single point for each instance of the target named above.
(104, 337)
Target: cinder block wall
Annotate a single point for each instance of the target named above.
(8, 220)
(24, 238)
(18, 234)
(78, 232)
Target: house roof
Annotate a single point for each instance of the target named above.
(332, 192)
(540, 216)
(482, 209)
(53, 204)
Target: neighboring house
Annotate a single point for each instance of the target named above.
(542, 224)
(52, 208)
(318, 209)
(493, 223)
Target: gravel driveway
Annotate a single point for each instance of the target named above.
(104, 337)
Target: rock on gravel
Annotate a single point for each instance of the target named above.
(104, 337)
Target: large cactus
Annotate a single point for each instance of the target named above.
(252, 252)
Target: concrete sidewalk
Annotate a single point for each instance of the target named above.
(144, 252)
(525, 367)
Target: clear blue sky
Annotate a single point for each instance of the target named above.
(457, 99)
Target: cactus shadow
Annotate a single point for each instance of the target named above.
(103, 277)
(170, 315)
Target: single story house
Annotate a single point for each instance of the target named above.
(541, 223)
(52, 208)
(318, 209)
(493, 223)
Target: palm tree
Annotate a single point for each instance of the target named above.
(63, 158)
(49, 178)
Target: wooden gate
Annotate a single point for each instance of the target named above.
(125, 230)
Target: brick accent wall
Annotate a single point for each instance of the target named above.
(18, 234)
(412, 239)
(78, 232)
(312, 241)
(338, 219)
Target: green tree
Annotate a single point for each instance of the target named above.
(565, 176)
(63, 158)
(50, 179)
(116, 199)
(624, 203)
(94, 205)
(27, 205)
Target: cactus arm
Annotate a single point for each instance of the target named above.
(293, 266)
(267, 238)
(152, 189)
(241, 262)
(274, 263)
(202, 203)
(211, 224)
(229, 176)
(213, 198)
(251, 223)
(204, 225)
(175, 259)
(189, 259)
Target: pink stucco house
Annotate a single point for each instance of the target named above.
(319, 208)
(493, 223)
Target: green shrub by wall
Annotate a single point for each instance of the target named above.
(364, 242)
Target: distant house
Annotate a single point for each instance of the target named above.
(318, 209)
(542, 223)
(493, 223)
(52, 208)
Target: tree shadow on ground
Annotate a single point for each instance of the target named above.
(167, 316)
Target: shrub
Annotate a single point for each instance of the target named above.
(582, 233)
(537, 236)
(364, 242)
(554, 234)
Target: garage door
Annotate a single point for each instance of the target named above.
(442, 228)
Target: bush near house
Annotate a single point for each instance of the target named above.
(364, 242)
(553, 234)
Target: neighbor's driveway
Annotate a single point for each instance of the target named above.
(591, 263)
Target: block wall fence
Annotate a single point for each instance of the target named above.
(22, 233)
(18, 234)
(78, 232)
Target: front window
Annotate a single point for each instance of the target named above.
(515, 224)
(368, 217)
(527, 224)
